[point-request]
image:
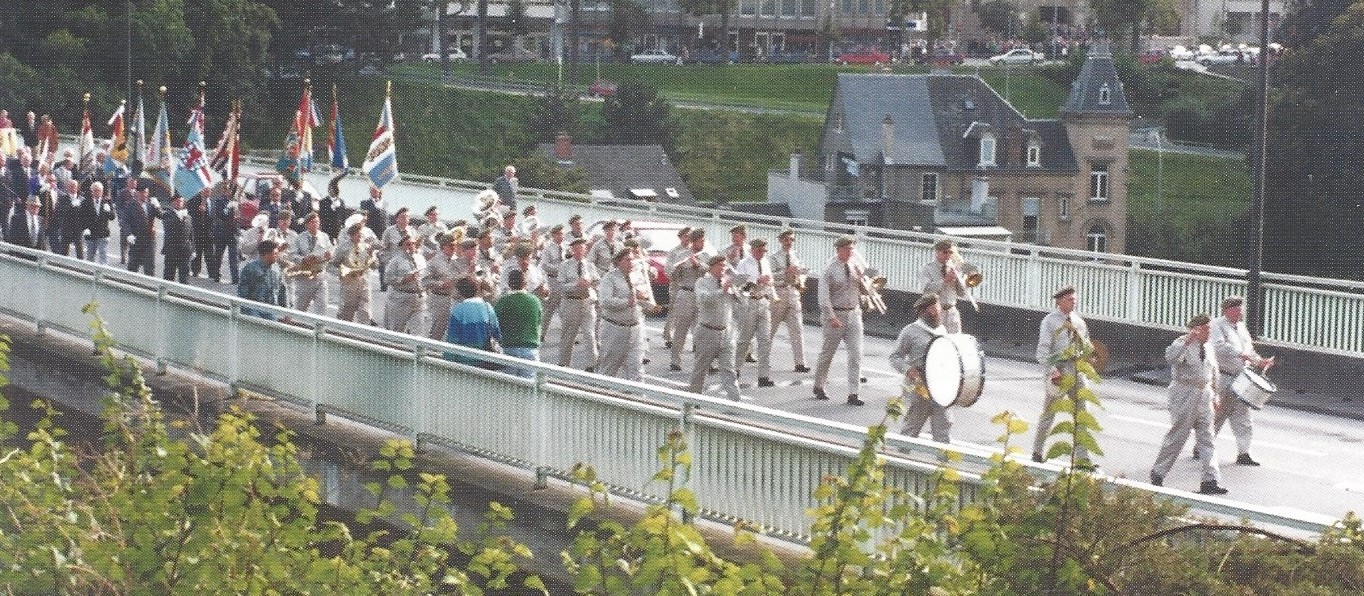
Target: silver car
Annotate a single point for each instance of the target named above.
(655, 57)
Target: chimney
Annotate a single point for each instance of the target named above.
(1013, 146)
(563, 148)
(888, 139)
(794, 172)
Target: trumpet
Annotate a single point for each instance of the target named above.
(968, 274)
(309, 268)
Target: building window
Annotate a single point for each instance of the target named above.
(788, 8)
(808, 9)
(1063, 207)
(930, 187)
(1096, 239)
(1034, 156)
(987, 150)
(847, 6)
(1105, 95)
(856, 217)
(863, 6)
(748, 8)
(768, 8)
(1098, 182)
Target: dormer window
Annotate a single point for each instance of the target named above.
(987, 150)
(1105, 95)
(1034, 155)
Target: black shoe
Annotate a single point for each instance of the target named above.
(1037, 457)
(749, 358)
(819, 393)
(667, 344)
(1244, 460)
(712, 370)
(765, 382)
(1196, 453)
(591, 369)
(853, 401)
(1157, 479)
(1209, 487)
(646, 361)
(675, 367)
(864, 380)
(801, 368)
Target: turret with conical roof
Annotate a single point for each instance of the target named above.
(1098, 91)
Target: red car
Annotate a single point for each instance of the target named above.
(1151, 57)
(863, 57)
(601, 88)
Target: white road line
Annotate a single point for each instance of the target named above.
(1268, 444)
(666, 380)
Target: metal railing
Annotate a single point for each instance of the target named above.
(749, 462)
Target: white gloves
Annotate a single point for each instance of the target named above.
(132, 239)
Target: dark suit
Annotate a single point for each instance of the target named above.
(377, 217)
(68, 225)
(140, 219)
(203, 239)
(19, 232)
(177, 245)
(222, 222)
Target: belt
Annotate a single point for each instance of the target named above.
(620, 324)
(712, 328)
(446, 294)
(948, 306)
(687, 288)
(845, 309)
(417, 292)
(763, 297)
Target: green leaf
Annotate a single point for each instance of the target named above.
(1058, 449)
(685, 499)
(579, 508)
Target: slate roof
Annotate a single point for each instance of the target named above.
(1086, 92)
(619, 168)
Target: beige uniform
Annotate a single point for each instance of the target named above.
(1193, 373)
(1053, 337)
(786, 308)
(438, 279)
(490, 262)
(551, 257)
(426, 236)
(755, 313)
(388, 245)
(579, 310)
(622, 327)
(355, 292)
(676, 254)
(405, 304)
(911, 347)
(601, 253)
(310, 292)
(714, 337)
(839, 296)
(685, 271)
(1231, 341)
(933, 278)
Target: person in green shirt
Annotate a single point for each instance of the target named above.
(519, 314)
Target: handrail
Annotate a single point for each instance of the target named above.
(207, 332)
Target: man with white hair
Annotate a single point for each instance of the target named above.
(97, 209)
(506, 187)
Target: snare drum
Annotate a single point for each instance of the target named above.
(1253, 388)
(954, 370)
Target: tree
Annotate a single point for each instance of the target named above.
(517, 23)
(636, 115)
(1118, 16)
(628, 19)
(1000, 16)
(938, 12)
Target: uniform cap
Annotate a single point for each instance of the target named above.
(786, 234)
(739, 229)
(1231, 301)
(757, 243)
(577, 241)
(845, 241)
(1199, 320)
(928, 299)
(1063, 292)
(716, 259)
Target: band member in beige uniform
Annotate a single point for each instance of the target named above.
(578, 279)
(1235, 350)
(788, 276)
(353, 259)
(937, 277)
(688, 268)
(1054, 336)
(1193, 371)
(840, 308)
(311, 251)
(438, 279)
(755, 274)
(911, 348)
(429, 231)
(389, 244)
(622, 316)
(715, 297)
(682, 249)
(604, 249)
(737, 250)
(405, 304)
(552, 255)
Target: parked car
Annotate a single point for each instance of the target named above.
(785, 58)
(657, 238)
(863, 57)
(455, 55)
(1222, 56)
(513, 56)
(943, 57)
(1181, 53)
(655, 57)
(601, 88)
(1017, 56)
(1151, 56)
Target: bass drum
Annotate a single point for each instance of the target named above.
(954, 370)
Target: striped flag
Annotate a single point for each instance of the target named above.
(85, 145)
(192, 173)
(336, 140)
(381, 162)
(298, 145)
(227, 155)
(160, 163)
(137, 135)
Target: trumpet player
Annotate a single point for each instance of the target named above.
(715, 296)
(755, 312)
(311, 252)
(685, 270)
(840, 307)
(737, 250)
(552, 255)
(405, 304)
(911, 348)
(622, 315)
(353, 259)
(682, 249)
(943, 277)
(438, 279)
(788, 277)
(578, 280)
(390, 244)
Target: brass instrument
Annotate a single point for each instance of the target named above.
(870, 283)
(1098, 356)
(969, 275)
(353, 268)
(308, 268)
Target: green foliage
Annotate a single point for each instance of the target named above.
(1200, 213)
(726, 156)
(636, 115)
(999, 16)
(165, 508)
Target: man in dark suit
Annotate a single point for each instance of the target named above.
(203, 238)
(376, 214)
(140, 216)
(222, 219)
(26, 225)
(67, 221)
(177, 243)
(29, 128)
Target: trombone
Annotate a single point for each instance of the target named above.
(870, 283)
(968, 274)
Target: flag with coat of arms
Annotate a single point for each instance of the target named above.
(85, 144)
(192, 173)
(381, 162)
(297, 158)
(160, 163)
(118, 140)
(336, 141)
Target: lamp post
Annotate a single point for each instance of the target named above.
(1255, 315)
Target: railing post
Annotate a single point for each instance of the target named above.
(541, 427)
(314, 383)
(1034, 281)
(234, 314)
(40, 317)
(1134, 279)
(418, 397)
(160, 318)
(685, 419)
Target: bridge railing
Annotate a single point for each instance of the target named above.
(750, 462)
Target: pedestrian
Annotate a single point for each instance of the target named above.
(506, 186)
(262, 282)
(473, 324)
(519, 314)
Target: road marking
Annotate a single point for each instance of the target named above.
(666, 380)
(1268, 444)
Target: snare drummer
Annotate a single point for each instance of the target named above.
(1235, 352)
(908, 357)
